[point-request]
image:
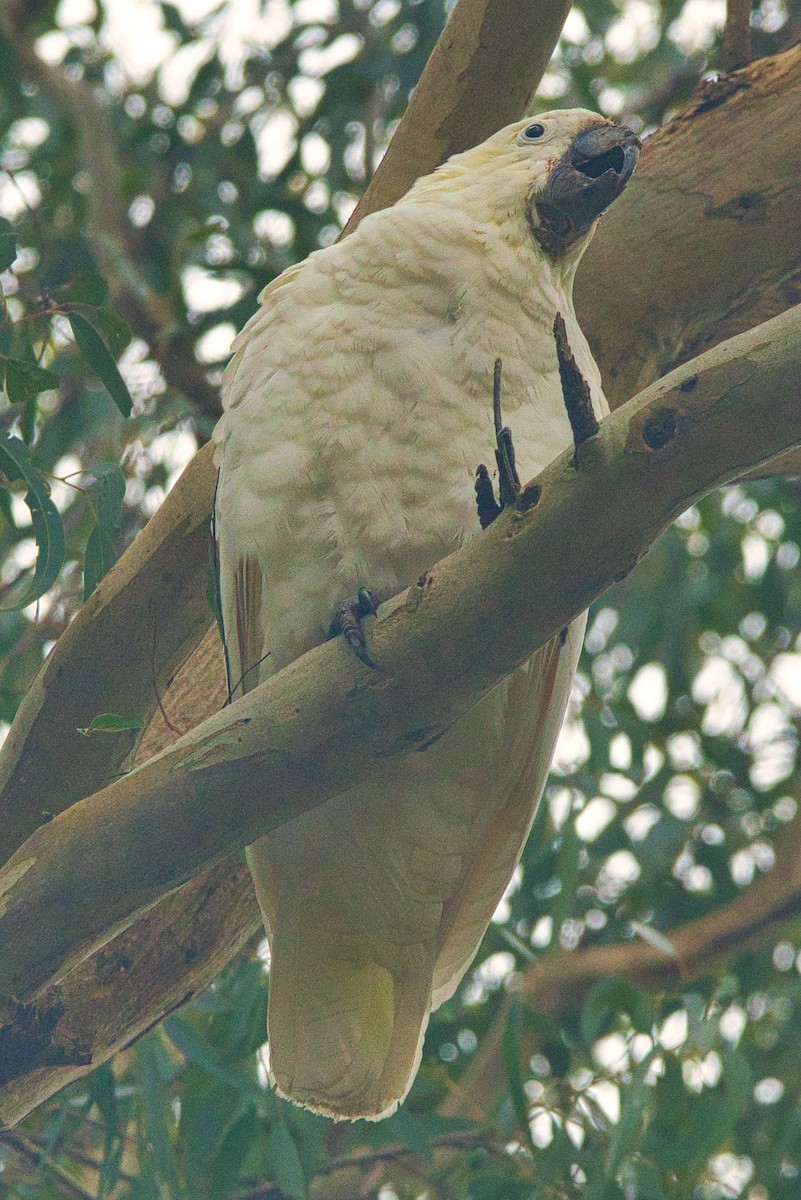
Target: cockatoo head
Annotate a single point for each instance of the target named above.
(582, 164)
(557, 171)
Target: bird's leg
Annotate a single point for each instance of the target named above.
(508, 478)
(487, 506)
(509, 486)
(575, 389)
(347, 620)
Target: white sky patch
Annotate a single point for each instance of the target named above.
(732, 1023)
(134, 32)
(18, 194)
(178, 72)
(215, 344)
(732, 1173)
(542, 933)
(572, 748)
(593, 819)
(785, 672)
(619, 787)
(503, 909)
(575, 28)
(682, 795)
(174, 449)
(756, 555)
(648, 692)
(275, 140)
(697, 25)
(720, 687)
(640, 823)
(620, 751)
(619, 870)
(611, 1052)
(634, 32)
(207, 292)
(318, 61)
(552, 86)
(315, 154)
(768, 1091)
(305, 93)
(607, 1096)
(674, 1030)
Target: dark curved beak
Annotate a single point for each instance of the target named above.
(591, 175)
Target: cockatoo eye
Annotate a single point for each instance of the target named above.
(533, 132)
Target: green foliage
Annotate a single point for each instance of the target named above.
(138, 230)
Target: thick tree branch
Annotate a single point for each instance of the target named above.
(706, 241)
(324, 723)
(481, 75)
(45, 764)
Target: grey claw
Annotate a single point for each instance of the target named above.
(347, 620)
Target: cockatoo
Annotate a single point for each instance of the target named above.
(357, 406)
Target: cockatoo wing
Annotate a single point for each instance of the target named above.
(530, 714)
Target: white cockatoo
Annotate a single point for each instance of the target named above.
(358, 404)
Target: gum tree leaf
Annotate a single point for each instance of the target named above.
(116, 331)
(48, 529)
(100, 358)
(110, 723)
(8, 244)
(100, 558)
(105, 485)
(285, 1162)
(24, 380)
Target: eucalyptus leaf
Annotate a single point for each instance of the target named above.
(284, 1161)
(99, 357)
(47, 526)
(8, 244)
(105, 486)
(99, 558)
(110, 723)
(24, 380)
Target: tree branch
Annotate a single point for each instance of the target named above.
(737, 35)
(481, 75)
(714, 209)
(323, 723)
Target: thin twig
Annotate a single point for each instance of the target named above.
(33, 1153)
(172, 728)
(575, 389)
(737, 50)
(384, 1154)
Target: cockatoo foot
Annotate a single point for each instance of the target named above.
(347, 620)
(509, 486)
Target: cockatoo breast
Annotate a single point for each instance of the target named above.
(359, 404)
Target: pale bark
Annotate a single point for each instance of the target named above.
(325, 722)
(481, 75)
(706, 240)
